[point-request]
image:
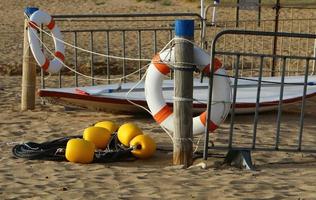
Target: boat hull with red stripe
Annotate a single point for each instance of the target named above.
(108, 98)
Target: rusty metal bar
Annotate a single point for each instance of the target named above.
(256, 118)
(124, 55)
(42, 48)
(76, 58)
(300, 135)
(108, 71)
(277, 139)
(139, 47)
(275, 37)
(232, 111)
(155, 41)
(91, 59)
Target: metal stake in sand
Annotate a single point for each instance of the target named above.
(183, 93)
(29, 69)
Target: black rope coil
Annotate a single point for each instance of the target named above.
(55, 151)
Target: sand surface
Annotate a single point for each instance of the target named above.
(279, 175)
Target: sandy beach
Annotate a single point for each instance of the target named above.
(279, 175)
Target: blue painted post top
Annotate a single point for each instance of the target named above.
(30, 10)
(184, 28)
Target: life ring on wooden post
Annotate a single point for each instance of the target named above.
(36, 20)
(163, 114)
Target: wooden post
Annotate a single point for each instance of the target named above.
(183, 92)
(29, 70)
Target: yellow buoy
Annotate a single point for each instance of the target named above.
(144, 146)
(99, 136)
(111, 126)
(127, 132)
(79, 151)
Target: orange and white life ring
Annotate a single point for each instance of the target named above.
(37, 18)
(163, 114)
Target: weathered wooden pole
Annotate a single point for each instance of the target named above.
(28, 69)
(183, 94)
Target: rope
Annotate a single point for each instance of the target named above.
(42, 151)
(55, 151)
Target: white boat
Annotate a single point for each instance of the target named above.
(113, 97)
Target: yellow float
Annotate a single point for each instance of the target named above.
(111, 126)
(127, 132)
(144, 146)
(99, 136)
(79, 151)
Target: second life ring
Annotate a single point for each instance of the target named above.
(36, 20)
(163, 114)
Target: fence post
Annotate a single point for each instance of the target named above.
(183, 92)
(28, 69)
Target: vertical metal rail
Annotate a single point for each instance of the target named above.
(91, 58)
(256, 118)
(259, 14)
(277, 139)
(314, 63)
(300, 135)
(299, 50)
(232, 111)
(76, 58)
(281, 48)
(252, 50)
(203, 30)
(170, 38)
(60, 78)
(60, 85)
(271, 68)
(307, 40)
(291, 39)
(170, 35)
(139, 47)
(237, 13)
(209, 104)
(275, 38)
(155, 42)
(234, 49)
(225, 57)
(42, 49)
(107, 50)
(262, 41)
(244, 50)
(124, 55)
